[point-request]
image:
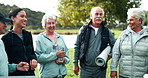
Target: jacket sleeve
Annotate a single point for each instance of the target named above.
(112, 40)
(12, 67)
(77, 48)
(115, 55)
(66, 57)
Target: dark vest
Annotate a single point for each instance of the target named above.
(84, 40)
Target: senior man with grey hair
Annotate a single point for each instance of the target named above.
(131, 48)
(92, 39)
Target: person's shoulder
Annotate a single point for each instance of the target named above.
(82, 28)
(40, 36)
(105, 27)
(123, 34)
(26, 32)
(7, 34)
(58, 35)
(126, 31)
(145, 29)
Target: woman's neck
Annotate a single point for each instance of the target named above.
(49, 33)
(137, 30)
(52, 37)
(17, 30)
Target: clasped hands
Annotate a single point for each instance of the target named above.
(60, 54)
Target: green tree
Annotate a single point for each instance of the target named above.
(76, 12)
(34, 19)
(146, 18)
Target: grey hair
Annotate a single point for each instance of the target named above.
(94, 8)
(45, 19)
(137, 13)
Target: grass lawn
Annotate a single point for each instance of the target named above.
(73, 31)
(70, 67)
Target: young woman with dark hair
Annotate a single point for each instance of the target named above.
(18, 43)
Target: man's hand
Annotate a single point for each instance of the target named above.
(113, 74)
(33, 64)
(76, 69)
(22, 66)
(109, 56)
(61, 61)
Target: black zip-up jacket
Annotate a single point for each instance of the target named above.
(19, 50)
(84, 41)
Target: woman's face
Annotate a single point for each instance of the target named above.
(20, 20)
(50, 26)
(134, 23)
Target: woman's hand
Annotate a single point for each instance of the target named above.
(22, 66)
(60, 54)
(33, 64)
(61, 61)
(113, 74)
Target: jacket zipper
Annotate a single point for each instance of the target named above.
(132, 47)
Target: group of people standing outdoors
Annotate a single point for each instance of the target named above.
(19, 57)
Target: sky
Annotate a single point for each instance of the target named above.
(47, 6)
(144, 5)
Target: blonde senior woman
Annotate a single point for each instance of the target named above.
(51, 50)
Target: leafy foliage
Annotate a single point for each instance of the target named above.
(146, 19)
(76, 12)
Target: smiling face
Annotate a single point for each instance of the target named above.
(20, 20)
(2, 27)
(97, 15)
(50, 26)
(134, 23)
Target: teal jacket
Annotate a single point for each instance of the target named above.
(5, 68)
(45, 51)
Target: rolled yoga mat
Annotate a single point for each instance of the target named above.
(102, 58)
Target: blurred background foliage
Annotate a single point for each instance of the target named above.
(75, 13)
